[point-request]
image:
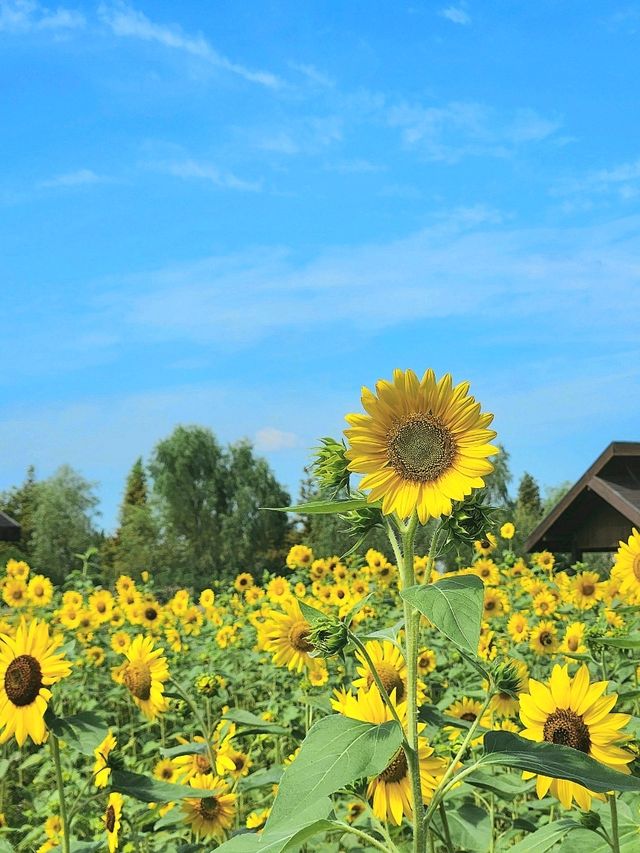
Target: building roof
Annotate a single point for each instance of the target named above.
(9, 529)
(599, 510)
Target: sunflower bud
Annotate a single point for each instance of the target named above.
(469, 520)
(330, 466)
(207, 685)
(590, 820)
(361, 521)
(506, 678)
(328, 636)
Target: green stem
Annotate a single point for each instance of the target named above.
(376, 677)
(451, 769)
(445, 827)
(615, 841)
(373, 842)
(200, 720)
(55, 752)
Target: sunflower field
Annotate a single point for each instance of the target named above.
(346, 703)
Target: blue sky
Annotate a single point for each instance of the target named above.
(238, 214)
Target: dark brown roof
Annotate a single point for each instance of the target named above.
(599, 509)
(9, 529)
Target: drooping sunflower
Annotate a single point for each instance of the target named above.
(421, 445)
(112, 820)
(212, 815)
(390, 791)
(626, 567)
(285, 635)
(29, 666)
(144, 674)
(575, 713)
(101, 769)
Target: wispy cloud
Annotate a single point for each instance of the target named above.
(456, 15)
(19, 16)
(269, 439)
(196, 170)
(126, 22)
(313, 74)
(461, 128)
(622, 181)
(79, 178)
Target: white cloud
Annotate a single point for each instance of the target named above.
(456, 15)
(126, 22)
(312, 74)
(80, 177)
(623, 181)
(19, 16)
(269, 439)
(461, 128)
(193, 169)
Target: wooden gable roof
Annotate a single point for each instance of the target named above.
(599, 510)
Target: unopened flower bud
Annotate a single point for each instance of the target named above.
(506, 678)
(328, 637)
(330, 466)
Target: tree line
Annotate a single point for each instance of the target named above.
(192, 514)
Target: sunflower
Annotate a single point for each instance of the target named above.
(285, 635)
(426, 661)
(318, 675)
(574, 712)
(486, 545)
(40, 590)
(469, 710)
(14, 592)
(241, 763)
(422, 445)
(508, 530)
(29, 666)
(487, 571)
(144, 674)
(243, 581)
(278, 589)
(299, 557)
(125, 584)
(149, 614)
(197, 763)
(164, 770)
(207, 598)
(390, 791)
(545, 560)
(101, 604)
(544, 638)
(585, 590)
(112, 820)
(212, 815)
(626, 567)
(95, 655)
(120, 642)
(355, 808)
(496, 603)
(518, 627)
(573, 641)
(544, 603)
(257, 820)
(101, 769)
(390, 666)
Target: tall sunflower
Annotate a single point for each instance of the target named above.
(626, 568)
(144, 674)
(422, 445)
(575, 713)
(29, 666)
(390, 791)
(212, 815)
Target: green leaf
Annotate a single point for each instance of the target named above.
(149, 790)
(261, 778)
(323, 507)
(630, 641)
(84, 731)
(311, 614)
(543, 839)
(506, 787)
(81, 846)
(454, 606)
(470, 828)
(249, 723)
(335, 752)
(286, 835)
(550, 759)
(184, 749)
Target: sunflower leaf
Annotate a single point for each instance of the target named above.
(630, 641)
(555, 760)
(249, 723)
(322, 507)
(546, 837)
(149, 790)
(184, 749)
(84, 731)
(336, 752)
(454, 606)
(287, 834)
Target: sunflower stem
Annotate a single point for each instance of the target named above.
(55, 752)
(200, 721)
(445, 827)
(615, 841)
(376, 677)
(411, 623)
(363, 836)
(442, 788)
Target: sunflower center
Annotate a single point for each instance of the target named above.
(567, 728)
(546, 638)
(572, 643)
(151, 613)
(110, 818)
(137, 677)
(636, 566)
(397, 769)
(202, 763)
(469, 716)
(420, 448)
(209, 808)
(167, 773)
(588, 589)
(390, 679)
(23, 680)
(298, 634)
(489, 605)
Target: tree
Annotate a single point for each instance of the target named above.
(135, 543)
(528, 508)
(62, 522)
(497, 483)
(20, 503)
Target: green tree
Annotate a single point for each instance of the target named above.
(135, 544)
(497, 483)
(20, 503)
(528, 509)
(62, 522)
